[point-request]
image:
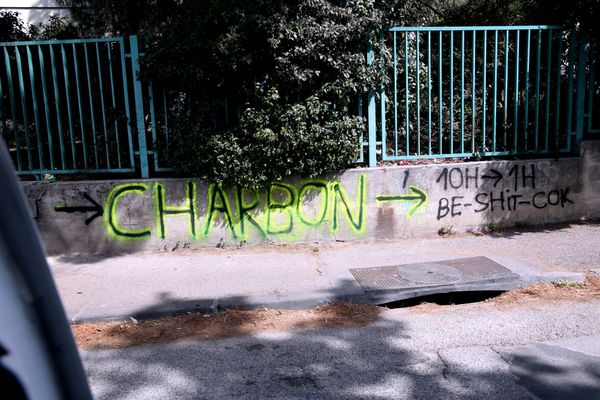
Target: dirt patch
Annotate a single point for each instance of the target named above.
(224, 324)
(233, 323)
(550, 292)
(540, 293)
(427, 307)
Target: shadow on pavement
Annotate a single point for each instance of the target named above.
(552, 372)
(347, 290)
(520, 229)
(368, 363)
(373, 362)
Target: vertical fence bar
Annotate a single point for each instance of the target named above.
(11, 94)
(593, 66)
(395, 58)
(484, 94)
(89, 84)
(126, 99)
(68, 101)
(462, 91)
(58, 108)
(451, 92)
(538, 65)
(24, 105)
(361, 138)
(46, 107)
(139, 106)
(166, 125)
(570, 92)
(440, 56)
(153, 124)
(381, 109)
(516, 112)
(383, 126)
(526, 112)
(558, 85)
(418, 66)
(79, 105)
(407, 115)
(383, 99)
(581, 78)
(429, 86)
(371, 123)
(548, 91)
(35, 108)
(2, 117)
(114, 104)
(474, 72)
(494, 121)
(102, 106)
(505, 107)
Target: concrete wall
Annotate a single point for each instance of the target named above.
(377, 203)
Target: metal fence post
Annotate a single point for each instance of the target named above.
(371, 113)
(139, 107)
(580, 100)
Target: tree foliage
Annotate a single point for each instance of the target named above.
(579, 14)
(12, 28)
(295, 70)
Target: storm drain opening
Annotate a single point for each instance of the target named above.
(446, 299)
(393, 283)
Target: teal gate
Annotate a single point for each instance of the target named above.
(73, 106)
(483, 91)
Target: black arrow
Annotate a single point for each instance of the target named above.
(419, 196)
(497, 176)
(97, 208)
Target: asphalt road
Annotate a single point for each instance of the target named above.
(472, 351)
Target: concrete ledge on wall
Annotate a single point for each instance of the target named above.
(125, 216)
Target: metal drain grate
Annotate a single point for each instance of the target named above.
(447, 272)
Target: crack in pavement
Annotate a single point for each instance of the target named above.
(446, 367)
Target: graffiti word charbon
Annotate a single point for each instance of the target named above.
(278, 210)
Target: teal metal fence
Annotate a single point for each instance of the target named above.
(73, 106)
(483, 91)
(78, 106)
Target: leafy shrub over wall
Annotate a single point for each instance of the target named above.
(306, 139)
(294, 75)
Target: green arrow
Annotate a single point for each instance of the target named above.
(418, 195)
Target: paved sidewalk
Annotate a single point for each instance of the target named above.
(145, 284)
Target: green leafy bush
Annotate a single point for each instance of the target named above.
(306, 139)
(295, 76)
